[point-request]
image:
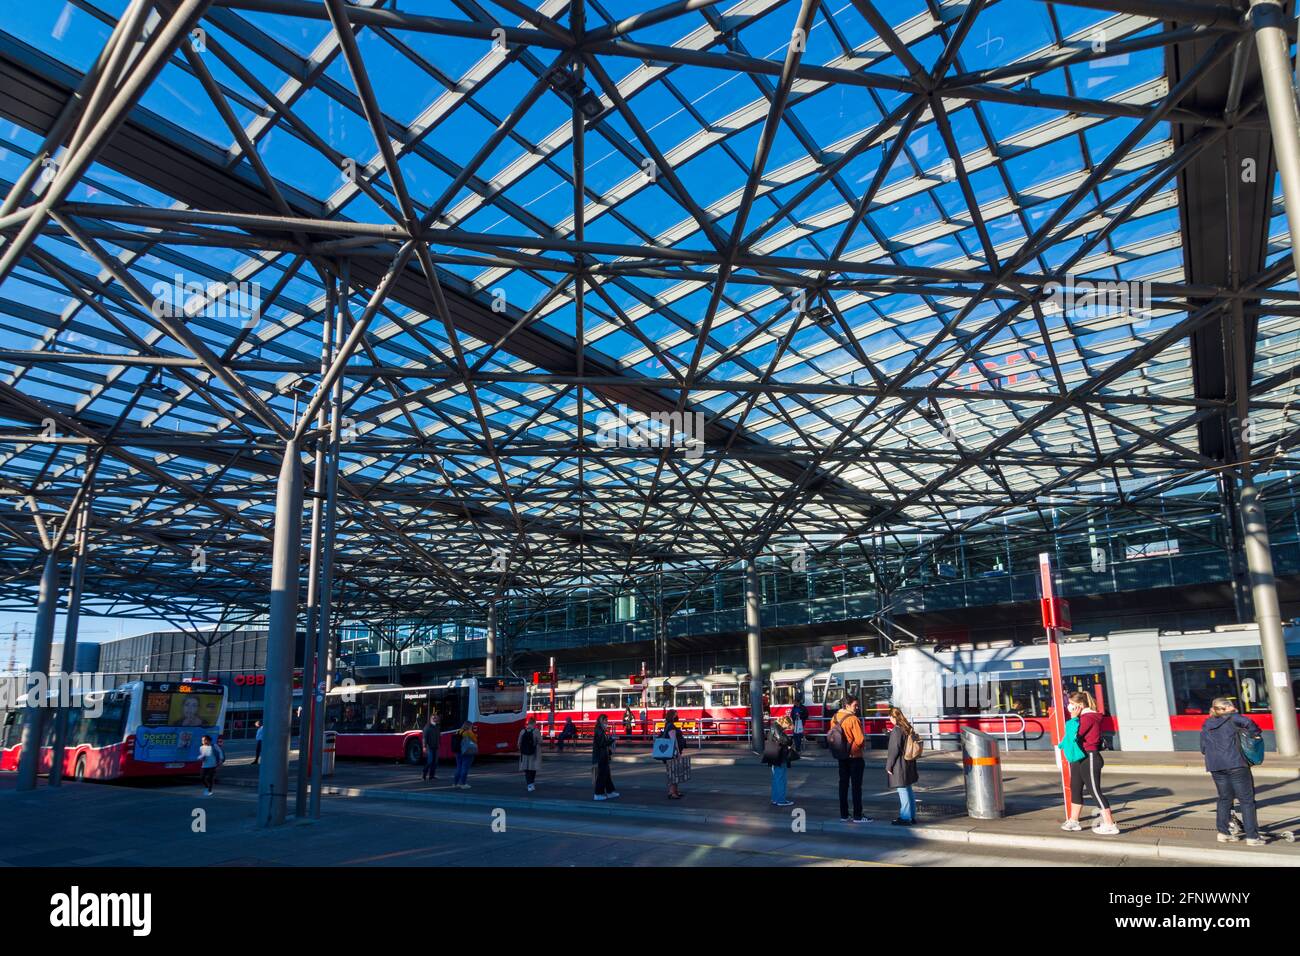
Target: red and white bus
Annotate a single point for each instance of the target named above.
(388, 720)
(141, 729)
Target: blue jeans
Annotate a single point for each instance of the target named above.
(907, 804)
(430, 762)
(1238, 783)
(779, 774)
(463, 762)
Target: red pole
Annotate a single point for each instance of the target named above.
(1054, 663)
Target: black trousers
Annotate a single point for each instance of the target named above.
(530, 776)
(851, 771)
(604, 782)
(258, 755)
(208, 776)
(1087, 772)
(1237, 783)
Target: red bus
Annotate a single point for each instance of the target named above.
(387, 720)
(141, 729)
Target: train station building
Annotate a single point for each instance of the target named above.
(596, 361)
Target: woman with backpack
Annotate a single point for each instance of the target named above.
(530, 752)
(1226, 762)
(465, 744)
(779, 753)
(900, 765)
(678, 766)
(602, 750)
(1081, 747)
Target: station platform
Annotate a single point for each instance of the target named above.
(1163, 804)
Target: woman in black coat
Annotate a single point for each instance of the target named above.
(602, 747)
(901, 771)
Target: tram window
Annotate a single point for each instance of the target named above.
(11, 728)
(1197, 683)
(1253, 697)
(744, 694)
(632, 700)
(689, 698)
(725, 698)
(1032, 696)
(607, 700)
(819, 692)
(783, 694)
(834, 696)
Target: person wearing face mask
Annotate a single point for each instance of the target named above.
(1081, 747)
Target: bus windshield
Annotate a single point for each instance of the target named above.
(500, 697)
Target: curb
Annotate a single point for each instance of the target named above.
(921, 834)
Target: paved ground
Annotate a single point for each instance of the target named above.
(383, 813)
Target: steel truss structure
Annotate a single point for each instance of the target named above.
(533, 300)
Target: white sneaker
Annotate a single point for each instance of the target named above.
(532, 787)
(599, 796)
(464, 786)
(1228, 838)
(1103, 829)
(613, 796)
(1255, 842)
(1071, 825)
(784, 803)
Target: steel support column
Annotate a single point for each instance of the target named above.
(273, 777)
(69, 663)
(490, 664)
(754, 646)
(1267, 19)
(29, 758)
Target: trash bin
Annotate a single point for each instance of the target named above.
(983, 772)
(327, 753)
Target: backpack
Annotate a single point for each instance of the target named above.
(528, 744)
(913, 746)
(836, 741)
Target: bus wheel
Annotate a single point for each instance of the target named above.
(414, 751)
(79, 772)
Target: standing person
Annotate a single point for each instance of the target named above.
(210, 757)
(1086, 768)
(602, 749)
(432, 740)
(1230, 769)
(779, 753)
(569, 732)
(645, 721)
(798, 714)
(465, 743)
(550, 722)
(257, 754)
(901, 768)
(845, 739)
(679, 765)
(530, 752)
(628, 720)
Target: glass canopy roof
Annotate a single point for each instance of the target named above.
(614, 287)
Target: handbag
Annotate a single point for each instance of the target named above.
(772, 751)
(665, 748)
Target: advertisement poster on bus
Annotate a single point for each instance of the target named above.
(174, 718)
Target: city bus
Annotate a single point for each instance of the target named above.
(388, 720)
(141, 729)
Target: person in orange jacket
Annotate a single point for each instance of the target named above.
(850, 758)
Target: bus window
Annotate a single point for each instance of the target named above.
(415, 710)
(451, 703)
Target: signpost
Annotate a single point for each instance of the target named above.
(1056, 619)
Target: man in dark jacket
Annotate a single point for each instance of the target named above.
(1229, 769)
